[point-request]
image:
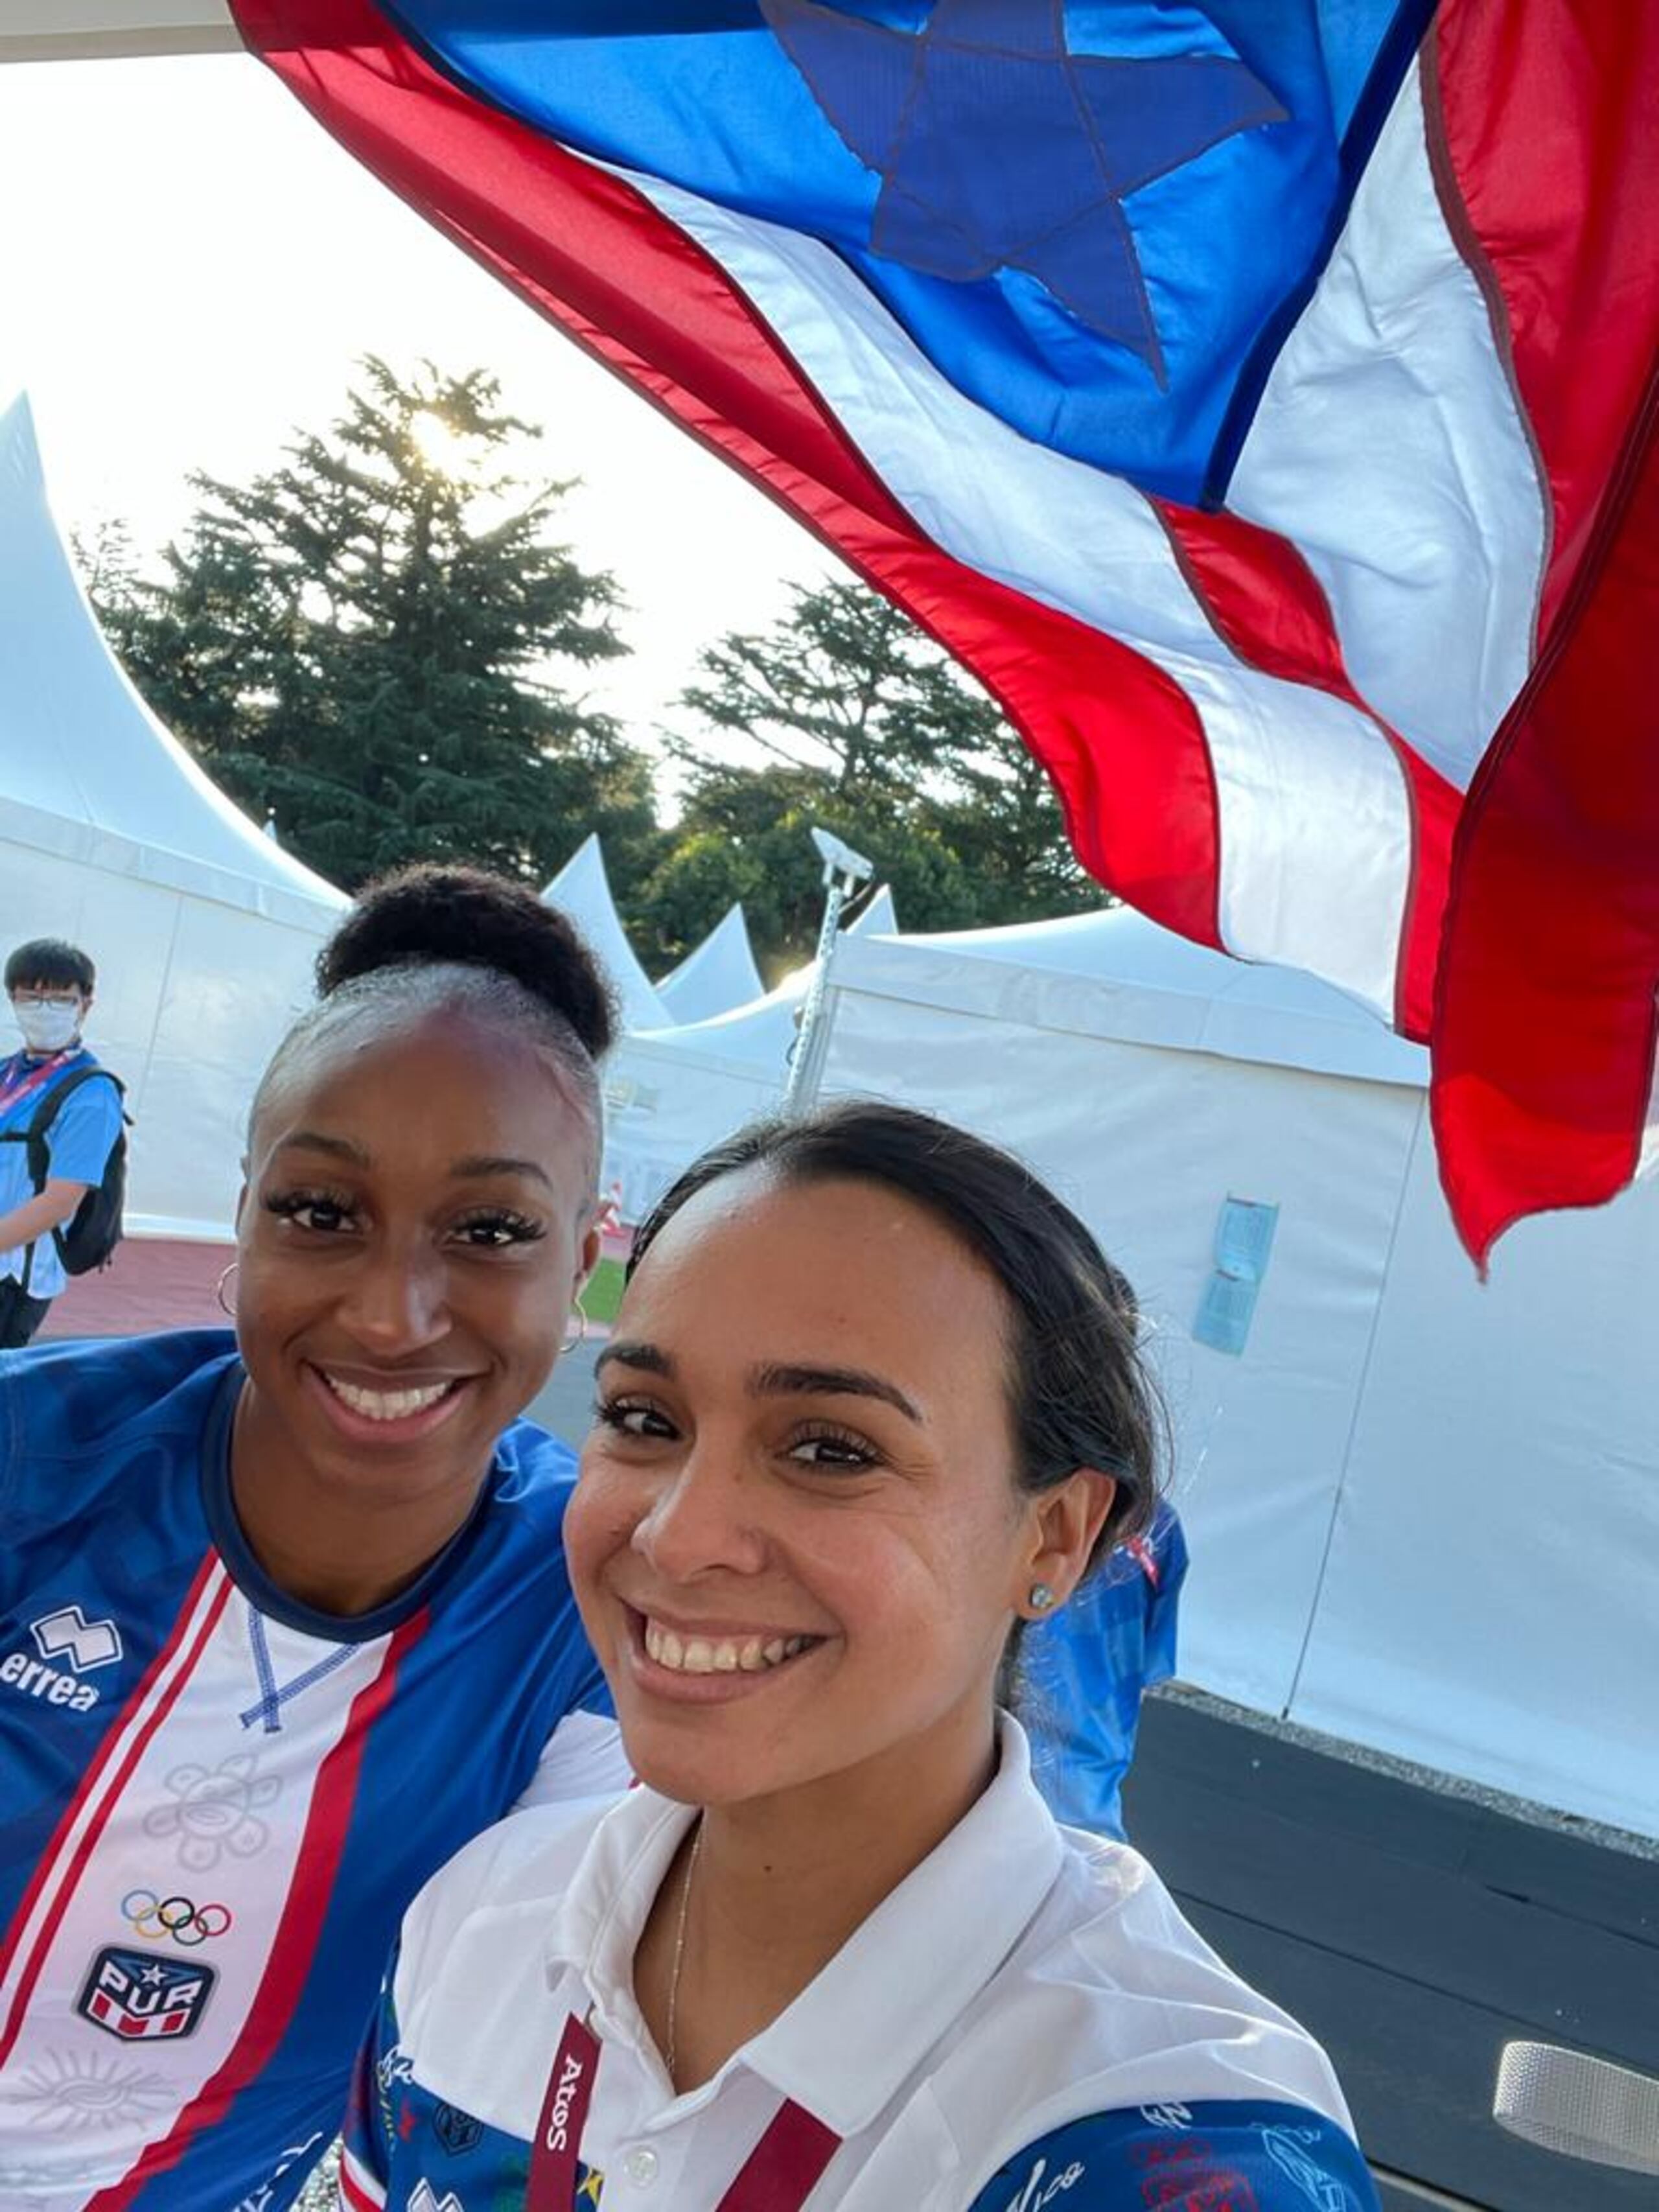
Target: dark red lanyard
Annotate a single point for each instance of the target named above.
(779, 2174)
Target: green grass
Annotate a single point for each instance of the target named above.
(602, 1294)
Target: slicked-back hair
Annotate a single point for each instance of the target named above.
(1080, 1392)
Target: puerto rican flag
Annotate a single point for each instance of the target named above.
(1259, 395)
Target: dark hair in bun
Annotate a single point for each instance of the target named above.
(440, 936)
(441, 914)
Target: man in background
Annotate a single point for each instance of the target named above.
(50, 986)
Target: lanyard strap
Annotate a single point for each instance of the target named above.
(22, 1078)
(778, 2175)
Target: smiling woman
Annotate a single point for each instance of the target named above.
(288, 1618)
(874, 1401)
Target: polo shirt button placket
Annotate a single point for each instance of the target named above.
(641, 2165)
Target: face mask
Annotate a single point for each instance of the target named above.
(47, 1028)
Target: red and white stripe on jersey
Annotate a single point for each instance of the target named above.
(248, 2037)
(171, 1804)
(359, 2189)
(73, 1850)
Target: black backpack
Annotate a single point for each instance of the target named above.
(92, 1232)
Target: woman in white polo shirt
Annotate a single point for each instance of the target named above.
(874, 1400)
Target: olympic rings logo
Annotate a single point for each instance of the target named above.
(176, 1918)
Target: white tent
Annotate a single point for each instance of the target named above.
(1424, 1512)
(582, 890)
(672, 1093)
(718, 975)
(204, 931)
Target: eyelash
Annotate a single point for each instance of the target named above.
(615, 1413)
(290, 1205)
(859, 1451)
(509, 1227)
(514, 1228)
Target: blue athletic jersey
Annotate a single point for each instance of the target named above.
(1083, 1674)
(79, 1142)
(216, 1802)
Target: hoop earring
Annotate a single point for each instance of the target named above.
(224, 1304)
(1039, 1597)
(579, 1334)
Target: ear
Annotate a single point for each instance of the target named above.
(587, 1258)
(1066, 1524)
(241, 1202)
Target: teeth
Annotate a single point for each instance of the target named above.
(705, 1654)
(385, 1405)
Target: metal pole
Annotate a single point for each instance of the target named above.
(844, 870)
(798, 1091)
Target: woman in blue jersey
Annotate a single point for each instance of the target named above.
(873, 1402)
(285, 1619)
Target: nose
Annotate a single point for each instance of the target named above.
(703, 1518)
(396, 1302)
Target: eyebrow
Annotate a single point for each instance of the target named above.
(626, 1353)
(776, 1381)
(471, 1168)
(791, 1381)
(312, 1140)
(499, 1164)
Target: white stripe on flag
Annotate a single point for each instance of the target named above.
(1389, 446)
(1315, 820)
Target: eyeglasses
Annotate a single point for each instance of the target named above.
(35, 1002)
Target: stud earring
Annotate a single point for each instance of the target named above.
(1039, 1597)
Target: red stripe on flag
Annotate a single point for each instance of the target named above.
(1121, 740)
(1270, 609)
(1546, 1026)
(295, 1943)
(1543, 123)
(91, 1783)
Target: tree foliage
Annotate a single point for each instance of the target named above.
(380, 641)
(374, 641)
(868, 729)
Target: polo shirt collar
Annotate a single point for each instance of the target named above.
(858, 2031)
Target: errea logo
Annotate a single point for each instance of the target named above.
(66, 1634)
(85, 1643)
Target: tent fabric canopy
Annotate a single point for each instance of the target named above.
(81, 748)
(673, 1091)
(1111, 971)
(717, 975)
(204, 931)
(581, 890)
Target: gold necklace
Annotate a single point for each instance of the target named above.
(679, 1960)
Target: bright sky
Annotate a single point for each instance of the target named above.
(189, 266)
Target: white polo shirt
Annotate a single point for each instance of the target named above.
(1027, 2022)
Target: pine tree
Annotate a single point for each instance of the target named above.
(374, 641)
(869, 729)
